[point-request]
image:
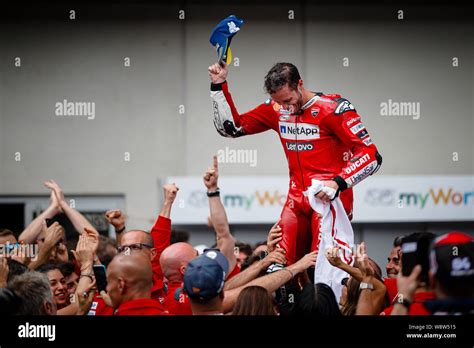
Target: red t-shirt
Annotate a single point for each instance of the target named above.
(99, 307)
(234, 272)
(161, 234)
(392, 288)
(417, 307)
(176, 301)
(142, 306)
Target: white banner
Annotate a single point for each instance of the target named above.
(260, 199)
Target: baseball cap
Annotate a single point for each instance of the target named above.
(205, 275)
(452, 258)
(222, 35)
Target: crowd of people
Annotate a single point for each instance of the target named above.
(160, 273)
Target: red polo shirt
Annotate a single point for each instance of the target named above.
(142, 306)
(392, 288)
(161, 234)
(234, 272)
(177, 302)
(99, 307)
(417, 307)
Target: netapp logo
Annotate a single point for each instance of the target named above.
(37, 331)
(304, 131)
(292, 146)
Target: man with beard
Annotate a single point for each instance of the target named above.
(323, 138)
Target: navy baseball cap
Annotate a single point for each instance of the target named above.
(222, 35)
(205, 275)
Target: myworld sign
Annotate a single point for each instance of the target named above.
(259, 199)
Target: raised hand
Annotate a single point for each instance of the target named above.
(84, 253)
(408, 285)
(211, 175)
(53, 234)
(306, 262)
(274, 236)
(276, 256)
(92, 238)
(218, 72)
(170, 191)
(333, 256)
(116, 218)
(85, 297)
(58, 192)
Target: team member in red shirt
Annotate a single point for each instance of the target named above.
(415, 244)
(151, 244)
(323, 138)
(174, 261)
(129, 283)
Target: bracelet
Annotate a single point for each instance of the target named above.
(214, 193)
(289, 270)
(121, 230)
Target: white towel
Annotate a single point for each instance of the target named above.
(335, 230)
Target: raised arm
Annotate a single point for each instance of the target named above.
(253, 271)
(32, 231)
(333, 256)
(161, 230)
(117, 219)
(84, 254)
(370, 299)
(227, 120)
(272, 281)
(225, 241)
(52, 237)
(407, 286)
(77, 219)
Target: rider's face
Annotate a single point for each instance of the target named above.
(289, 99)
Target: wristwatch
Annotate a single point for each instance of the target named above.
(402, 300)
(120, 230)
(363, 286)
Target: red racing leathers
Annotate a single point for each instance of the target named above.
(326, 141)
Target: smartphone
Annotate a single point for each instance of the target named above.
(415, 251)
(100, 277)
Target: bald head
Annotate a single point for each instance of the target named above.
(129, 277)
(137, 236)
(175, 259)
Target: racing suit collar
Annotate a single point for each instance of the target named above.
(310, 102)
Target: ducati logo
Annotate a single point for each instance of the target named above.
(314, 112)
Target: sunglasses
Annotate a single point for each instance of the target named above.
(135, 246)
(344, 281)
